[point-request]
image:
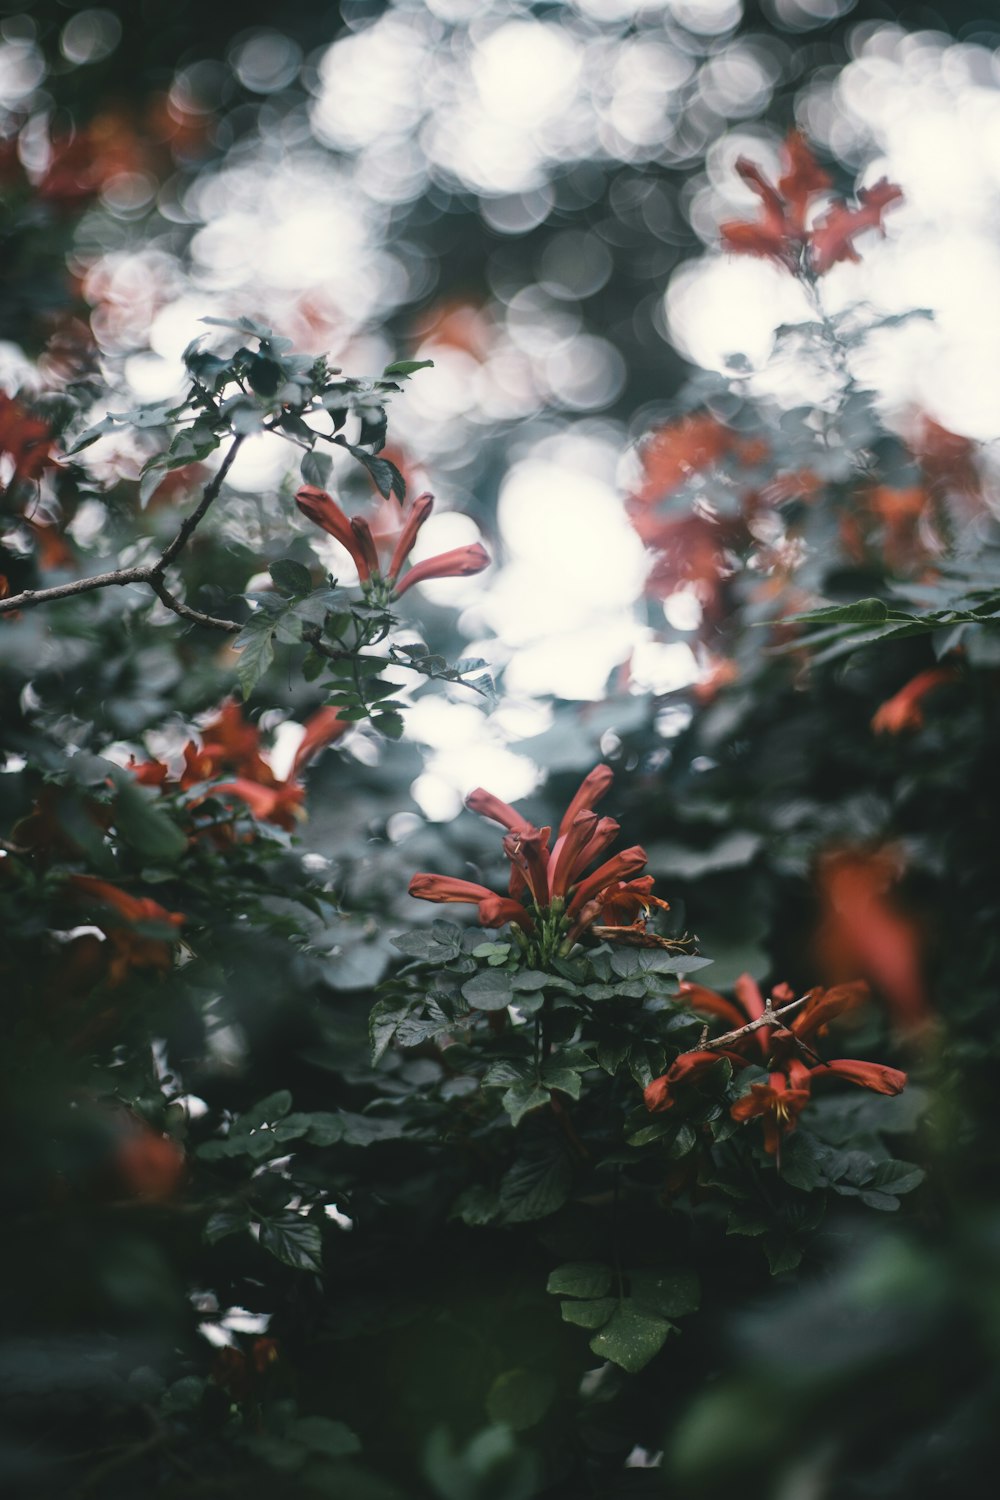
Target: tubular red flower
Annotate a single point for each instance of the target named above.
(429, 887)
(904, 709)
(659, 1094)
(280, 804)
(529, 853)
(324, 511)
(875, 1076)
(619, 867)
(778, 1105)
(362, 533)
(495, 911)
(590, 791)
(416, 516)
(460, 562)
(133, 909)
(567, 855)
(823, 1006)
(322, 729)
(699, 997)
(486, 805)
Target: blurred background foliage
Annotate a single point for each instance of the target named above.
(668, 453)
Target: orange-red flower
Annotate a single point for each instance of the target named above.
(904, 709)
(863, 929)
(780, 233)
(780, 1101)
(25, 440)
(143, 935)
(356, 536)
(231, 744)
(551, 898)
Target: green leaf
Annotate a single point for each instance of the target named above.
(265, 1112)
(566, 1080)
(294, 1241)
(316, 469)
(408, 366)
(861, 612)
(291, 577)
(489, 990)
(391, 724)
(669, 1294)
(588, 1314)
(535, 1187)
(256, 648)
(324, 1435)
(227, 1221)
(631, 1338)
(580, 1278)
(143, 825)
(522, 1097)
(520, 1398)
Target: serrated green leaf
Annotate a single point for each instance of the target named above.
(226, 1222)
(291, 577)
(588, 1314)
(294, 1241)
(671, 1293)
(631, 1338)
(143, 825)
(488, 990)
(580, 1278)
(256, 648)
(522, 1097)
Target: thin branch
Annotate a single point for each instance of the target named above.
(186, 612)
(770, 1017)
(151, 574)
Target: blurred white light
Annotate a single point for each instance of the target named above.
(526, 72)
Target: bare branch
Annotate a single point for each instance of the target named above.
(151, 574)
(770, 1017)
(186, 612)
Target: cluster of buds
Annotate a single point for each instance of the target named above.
(552, 901)
(784, 1049)
(379, 577)
(783, 234)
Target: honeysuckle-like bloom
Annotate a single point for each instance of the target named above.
(140, 938)
(780, 1101)
(382, 577)
(231, 744)
(904, 710)
(554, 895)
(780, 232)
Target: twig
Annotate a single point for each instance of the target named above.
(770, 1017)
(152, 575)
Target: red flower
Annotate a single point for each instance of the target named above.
(24, 439)
(864, 930)
(551, 897)
(659, 1095)
(322, 729)
(780, 233)
(777, 1104)
(356, 536)
(832, 238)
(125, 948)
(780, 1101)
(903, 710)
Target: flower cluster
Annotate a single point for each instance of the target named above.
(378, 575)
(551, 900)
(230, 744)
(781, 1048)
(781, 232)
